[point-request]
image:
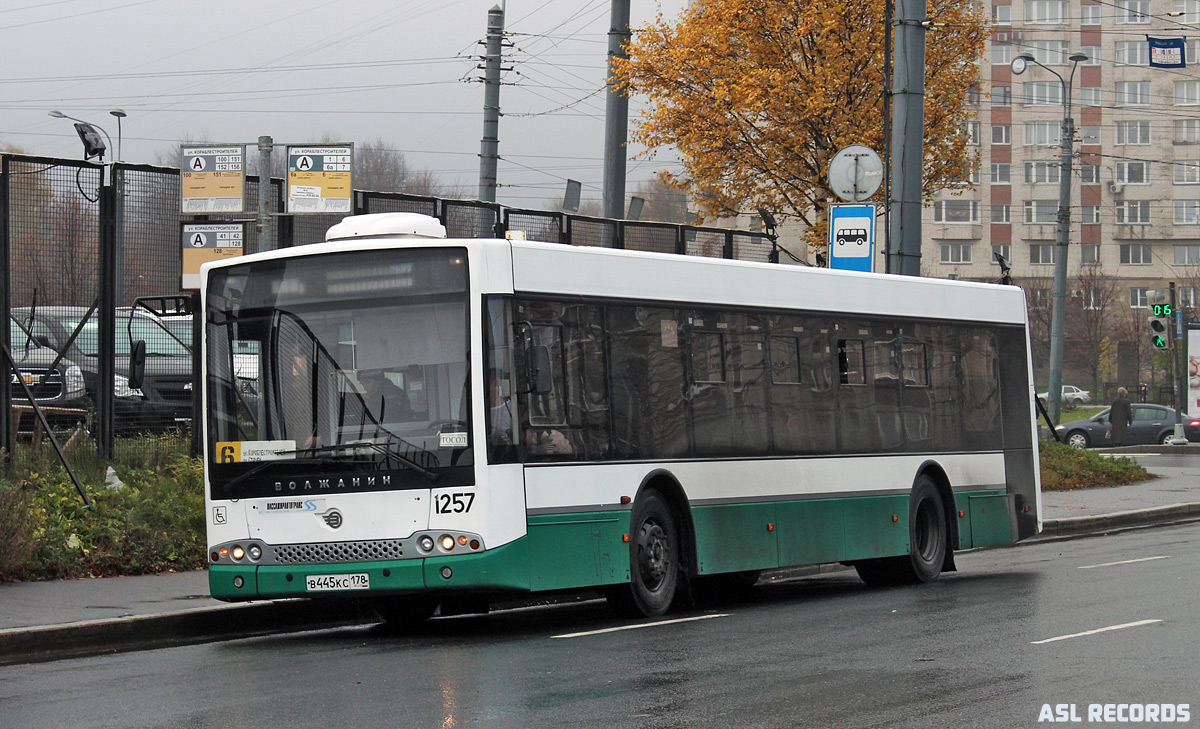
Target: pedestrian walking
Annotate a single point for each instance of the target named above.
(1120, 415)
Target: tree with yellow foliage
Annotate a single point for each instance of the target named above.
(758, 95)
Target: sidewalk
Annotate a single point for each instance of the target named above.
(51, 620)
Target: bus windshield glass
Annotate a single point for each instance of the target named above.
(337, 363)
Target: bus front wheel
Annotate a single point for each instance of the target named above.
(654, 557)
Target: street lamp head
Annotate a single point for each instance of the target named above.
(1077, 57)
(118, 113)
(1027, 56)
(58, 114)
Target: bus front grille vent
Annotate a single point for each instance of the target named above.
(371, 551)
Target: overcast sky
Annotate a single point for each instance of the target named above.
(399, 70)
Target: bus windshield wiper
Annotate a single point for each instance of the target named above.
(228, 485)
(387, 449)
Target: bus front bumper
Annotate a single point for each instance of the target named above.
(497, 570)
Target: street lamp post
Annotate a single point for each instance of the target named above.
(1059, 300)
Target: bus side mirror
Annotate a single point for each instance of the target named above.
(137, 364)
(540, 380)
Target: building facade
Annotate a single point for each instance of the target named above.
(1135, 196)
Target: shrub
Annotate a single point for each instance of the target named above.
(153, 524)
(1065, 468)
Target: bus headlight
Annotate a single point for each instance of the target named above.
(447, 542)
(255, 552)
(238, 552)
(425, 543)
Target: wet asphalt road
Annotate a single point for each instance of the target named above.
(984, 647)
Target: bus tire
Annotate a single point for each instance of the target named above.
(928, 537)
(928, 533)
(405, 614)
(654, 555)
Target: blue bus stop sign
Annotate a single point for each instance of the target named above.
(852, 237)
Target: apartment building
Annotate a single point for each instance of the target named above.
(1135, 196)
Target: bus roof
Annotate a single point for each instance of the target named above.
(557, 269)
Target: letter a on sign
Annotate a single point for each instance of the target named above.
(197, 164)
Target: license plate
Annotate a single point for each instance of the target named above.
(324, 583)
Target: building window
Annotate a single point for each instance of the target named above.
(956, 253)
(1133, 132)
(1187, 255)
(1041, 211)
(1039, 298)
(1005, 252)
(1133, 93)
(1042, 93)
(1187, 173)
(1133, 12)
(1187, 131)
(1002, 213)
(1137, 297)
(1089, 214)
(1187, 93)
(1133, 172)
(1043, 254)
(1089, 174)
(1089, 15)
(1135, 254)
(1048, 52)
(1001, 173)
(956, 211)
(1091, 299)
(1039, 172)
(1093, 55)
(1186, 296)
(1133, 53)
(1134, 212)
(1089, 96)
(1089, 253)
(1002, 14)
(1042, 133)
(1089, 134)
(1002, 96)
(1187, 212)
(1046, 11)
(1002, 54)
(1001, 133)
(1189, 12)
(971, 129)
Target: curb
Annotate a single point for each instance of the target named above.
(1134, 518)
(183, 627)
(248, 620)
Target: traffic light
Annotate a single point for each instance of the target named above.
(1160, 322)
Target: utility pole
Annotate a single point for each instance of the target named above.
(616, 116)
(908, 153)
(265, 146)
(489, 148)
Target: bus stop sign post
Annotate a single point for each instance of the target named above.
(852, 237)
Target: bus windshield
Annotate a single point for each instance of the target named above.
(352, 360)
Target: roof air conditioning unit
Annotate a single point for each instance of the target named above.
(1116, 188)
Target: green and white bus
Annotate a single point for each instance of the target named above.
(417, 420)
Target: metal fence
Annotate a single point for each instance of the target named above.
(66, 226)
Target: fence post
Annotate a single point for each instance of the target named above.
(6, 434)
(106, 350)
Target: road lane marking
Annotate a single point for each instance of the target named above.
(1093, 632)
(641, 625)
(1127, 561)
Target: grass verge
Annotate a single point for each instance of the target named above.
(152, 523)
(1065, 468)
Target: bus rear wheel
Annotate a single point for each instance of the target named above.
(654, 558)
(928, 537)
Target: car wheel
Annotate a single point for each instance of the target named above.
(1165, 437)
(1071, 404)
(1078, 439)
